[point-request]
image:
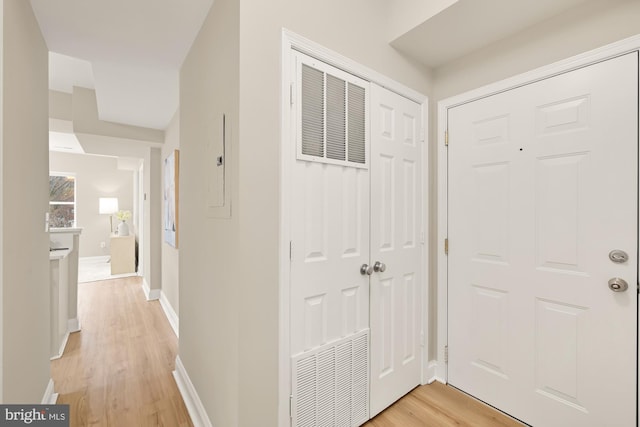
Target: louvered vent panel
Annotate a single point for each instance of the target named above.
(344, 381)
(360, 390)
(333, 115)
(326, 387)
(312, 111)
(336, 118)
(331, 384)
(306, 392)
(357, 124)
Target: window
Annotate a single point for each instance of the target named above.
(62, 200)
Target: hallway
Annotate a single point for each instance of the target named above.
(117, 371)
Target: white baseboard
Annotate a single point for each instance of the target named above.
(172, 317)
(50, 397)
(192, 401)
(94, 259)
(432, 372)
(73, 325)
(150, 294)
(62, 347)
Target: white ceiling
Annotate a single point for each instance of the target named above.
(65, 72)
(132, 49)
(64, 142)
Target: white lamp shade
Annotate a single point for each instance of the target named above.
(108, 205)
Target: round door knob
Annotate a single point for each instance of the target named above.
(379, 267)
(618, 285)
(366, 270)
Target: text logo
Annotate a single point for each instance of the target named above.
(34, 415)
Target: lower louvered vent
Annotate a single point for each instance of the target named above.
(331, 384)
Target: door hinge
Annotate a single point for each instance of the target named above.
(422, 238)
(422, 136)
(422, 339)
(446, 138)
(446, 354)
(290, 250)
(446, 246)
(291, 406)
(291, 93)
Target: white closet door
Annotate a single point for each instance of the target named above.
(330, 242)
(396, 230)
(542, 186)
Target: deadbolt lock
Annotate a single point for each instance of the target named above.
(618, 256)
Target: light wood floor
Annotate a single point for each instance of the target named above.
(117, 371)
(438, 405)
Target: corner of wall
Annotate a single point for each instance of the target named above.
(150, 294)
(198, 414)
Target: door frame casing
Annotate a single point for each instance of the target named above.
(622, 47)
(291, 43)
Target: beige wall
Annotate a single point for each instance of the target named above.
(170, 279)
(229, 278)
(25, 270)
(152, 236)
(209, 268)
(589, 26)
(60, 105)
(96, 176)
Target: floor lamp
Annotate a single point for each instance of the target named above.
(108, 206)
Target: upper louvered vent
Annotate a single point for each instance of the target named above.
(312, 112)
(357, 124)
(333, 112)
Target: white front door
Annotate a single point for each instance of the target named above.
(542, 186)
(396, 243)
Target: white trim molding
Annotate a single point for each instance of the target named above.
(73, 325)
(192, 401)
(170, 313)
(63, 345)
(95, 259)
(432, 367)
(150, 294)
(604, 53)
(50, 397)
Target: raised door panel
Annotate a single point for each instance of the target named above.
(329, 296)
(396, 241)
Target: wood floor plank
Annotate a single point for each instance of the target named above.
(117, 371)
(442, 406)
